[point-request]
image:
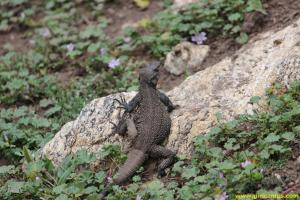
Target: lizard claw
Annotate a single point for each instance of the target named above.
(114, 125)
(161, 173)
(122, 102)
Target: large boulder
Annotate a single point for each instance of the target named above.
(225, 87)
(186, 57)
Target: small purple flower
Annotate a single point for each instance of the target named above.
(221, 196)
(127, 39)
(221, 175)
(138, 197)
(113, 63)
(103, 51)
(246, 163)
(110, 180)
(46, 33)
(70, 47)
(199, 38)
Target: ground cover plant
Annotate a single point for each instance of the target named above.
(69, 59)
(235, 157)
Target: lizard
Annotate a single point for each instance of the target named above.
(147, 122)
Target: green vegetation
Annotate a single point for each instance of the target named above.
(233, 158)
(67, 38)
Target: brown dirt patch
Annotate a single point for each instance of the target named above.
(4, 162)
(290, 173)
(16, 40)
(126, 13)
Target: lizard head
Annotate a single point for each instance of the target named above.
(150, 74)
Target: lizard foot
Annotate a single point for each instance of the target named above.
(122, 102)
(161, 173)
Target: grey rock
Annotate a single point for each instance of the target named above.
(225, 87)
(186, 57)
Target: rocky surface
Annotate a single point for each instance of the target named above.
(180, 3)
(225, 87)
(186, 57)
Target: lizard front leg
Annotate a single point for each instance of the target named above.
(129, 107)
(165, 100)
(167, 155)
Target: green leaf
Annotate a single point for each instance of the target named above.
(40, 122)
(272, 137)
(234, 17)
(255, 5)
(216, 152)
(59, 189)
(288, 136)
(62, 197)
(100, 176)
(230, 144)
(242, 38)
(201, 179)
(232, 124)
(155, 185)
(93, 196)
(90, 189)
(74, 53)
(27, 154)
(6, 169)
(205, 188)
(53, 110)
(277, 147)
(93, 47)
(64, 174)
(254, 100)
(33, 168)
(45, 103)
(15, 186)
(93, 31)
(185, 193)
(177, 167)
(82, 157)
(215, 131)
(264, 154)
(20, 112)
(296, 129)
(189, 172)
(227, 165)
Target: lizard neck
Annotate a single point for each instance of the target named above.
(146, 90)
(144, 84)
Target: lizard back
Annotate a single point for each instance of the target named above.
(152, 119)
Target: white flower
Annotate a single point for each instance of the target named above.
(246, 163)
(70, 47)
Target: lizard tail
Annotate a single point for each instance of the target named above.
(134, 161)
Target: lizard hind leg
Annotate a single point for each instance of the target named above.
(131, 128)
(168, 157)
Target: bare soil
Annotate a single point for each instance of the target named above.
(126, 13)
(290, 173)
